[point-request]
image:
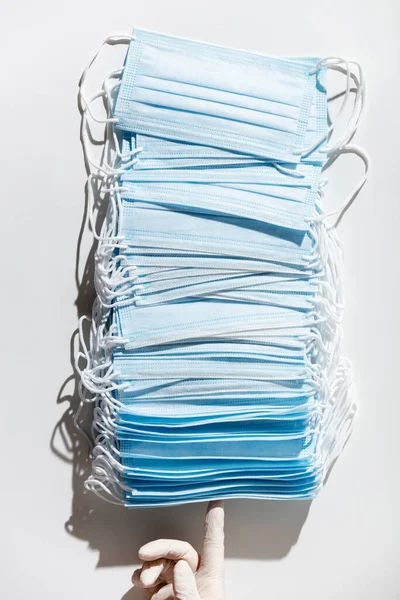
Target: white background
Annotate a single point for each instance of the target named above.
(57, 542)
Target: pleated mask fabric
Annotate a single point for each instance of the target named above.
(200, 93)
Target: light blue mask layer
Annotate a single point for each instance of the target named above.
(192, 467)
(160, 153)
(283, 336)
(271, 174)
(195, 92)
(188, 487)
(134, 500)
(263, 282)
(278, 285)
(212, 394)
(217, 350)
(186, 412)
(161, 324)
(283, 201)
(160, 481)
(223, 474)
(279, 448)
(159, 230)
(147, 369)
(167, 491)
(181, 261)
(154, 499)
(154, 276)
(257, 291)
(283, 434)
(215, 429)
(154, 231)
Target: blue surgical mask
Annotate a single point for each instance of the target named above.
(228, 282)
(189, 233)
(192, 411)
(165, 259)
(147, 369)
(284, 201)
(161, 153)
(248, 103)
(167, 323)
(272, 447)
(218, 350)
(215, 429)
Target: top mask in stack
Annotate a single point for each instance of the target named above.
(215, 361)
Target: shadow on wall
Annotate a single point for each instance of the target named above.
(254, 529)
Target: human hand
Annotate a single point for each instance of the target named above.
(173, 570)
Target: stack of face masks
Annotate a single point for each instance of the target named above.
(214, 361)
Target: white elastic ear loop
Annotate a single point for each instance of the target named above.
(87, 107)
(92, 484)
(108, 97)
(85, 354)
(78, 425)
(91, 217)
(328, 62)
(110, 40)
(83, 400)
(332, 63)
(85, 133)
(105, 168)
(358, 107)
(349, 149)
(353, 120)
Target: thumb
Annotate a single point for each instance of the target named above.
(184, 582)
(212, 559)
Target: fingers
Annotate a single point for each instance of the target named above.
(149, 592)
(160, 591)
(184, 583)
(171, 549)
(213, 548)
(151, 572)
(136, 578)
(166, 592)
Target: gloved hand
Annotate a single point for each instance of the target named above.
(172, 570)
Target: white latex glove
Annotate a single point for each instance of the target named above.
(173, 570)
